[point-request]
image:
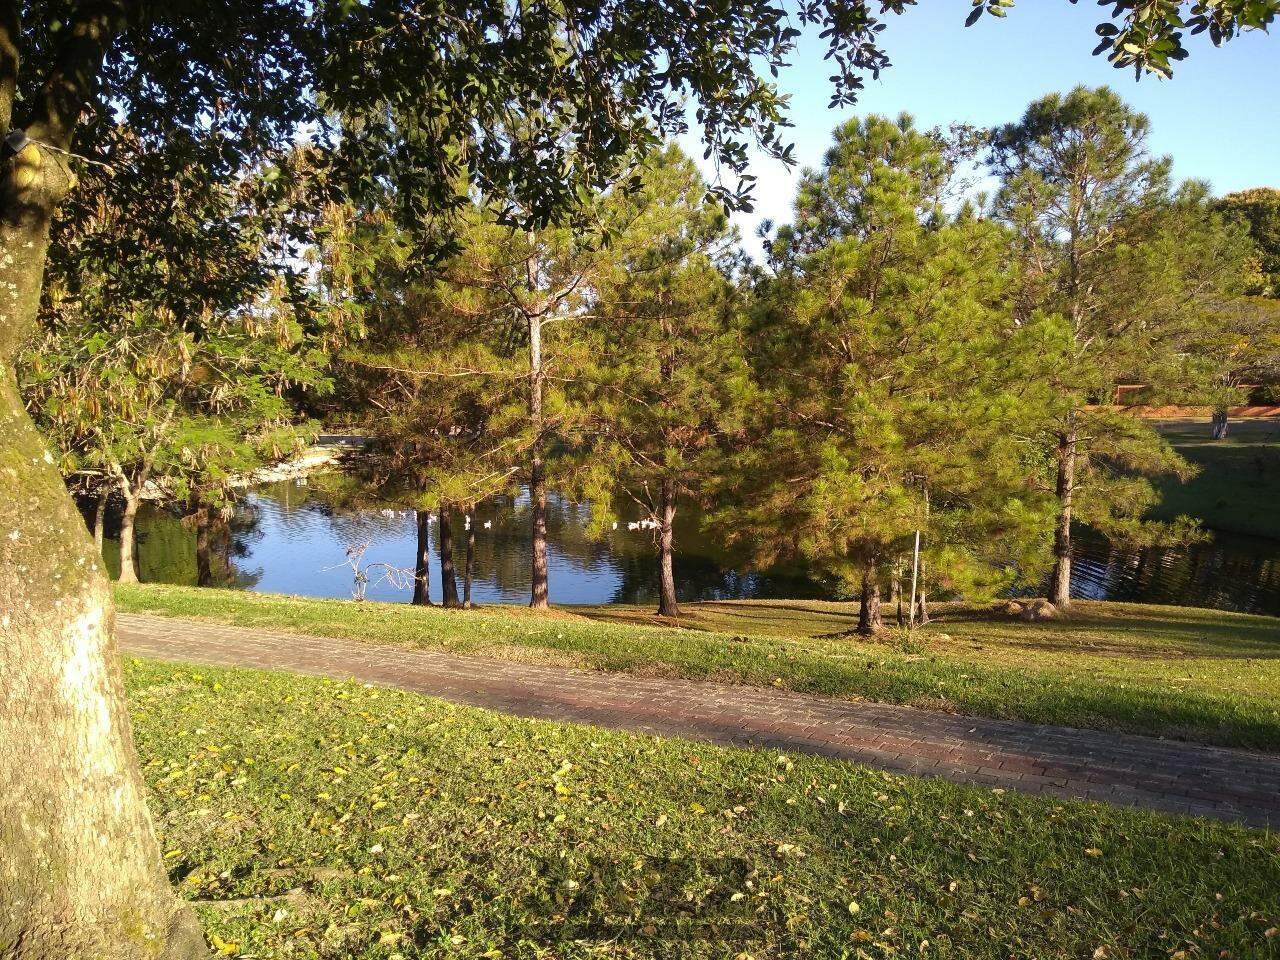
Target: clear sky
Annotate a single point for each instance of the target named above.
(1219, 117)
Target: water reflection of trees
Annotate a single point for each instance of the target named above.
(1231, 572)
(167, 547)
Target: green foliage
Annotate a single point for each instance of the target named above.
(1149, 36)
(1142, 275)
(667, 380)
(900, 387)
(1259, 209)
(172, 337)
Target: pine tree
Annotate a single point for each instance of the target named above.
(896, 378)
(670, 381)
(1139, 272)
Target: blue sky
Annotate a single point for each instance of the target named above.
(1219, 117)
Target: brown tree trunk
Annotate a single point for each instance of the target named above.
(80, 870)
(1060, 582)
(870, 620)
(667, 604)
(99, 521)
(539, 594)
(448, 579)
(895, 592)
(421, 561)
(129, 539)
(204, 566)
(470, 562)
(922, 606)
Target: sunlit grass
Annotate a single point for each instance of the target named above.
(318, 819)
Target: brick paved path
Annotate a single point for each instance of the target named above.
(1057, 761)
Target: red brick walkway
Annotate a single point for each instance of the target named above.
(1057, 761)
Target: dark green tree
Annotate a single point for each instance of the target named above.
(1259, 210)
(171, 337)
(898, 384)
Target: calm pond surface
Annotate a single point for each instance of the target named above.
(292, 538)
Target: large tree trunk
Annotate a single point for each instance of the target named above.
(1060, 582)
(204, 565)
(667, 605)
(129, 539)
(538, 590)
(470, 563)
(422, 561)
(870, 620)
(80, 870)
(448, 579)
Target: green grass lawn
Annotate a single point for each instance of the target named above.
(1196, 674)
(316, 819)
(1239, 479)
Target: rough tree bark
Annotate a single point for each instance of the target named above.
(448, 579)
(870, 620)
(922, 605)
(129, 539)
(81, 873)
(895, 592)
(469, 564)
(1060, 581)
(667, 604)
(422, 561)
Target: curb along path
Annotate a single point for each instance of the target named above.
(1174, 777)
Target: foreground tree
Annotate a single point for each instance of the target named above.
(81, 875)
(1140, 273)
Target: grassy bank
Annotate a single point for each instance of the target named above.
(329, 820)
(1202, 675)
(1239, 479)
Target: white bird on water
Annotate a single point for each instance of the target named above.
(488, 524)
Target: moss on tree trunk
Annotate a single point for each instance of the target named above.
(80, 870)
(80, 874)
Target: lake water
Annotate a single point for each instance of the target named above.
(291, 538)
